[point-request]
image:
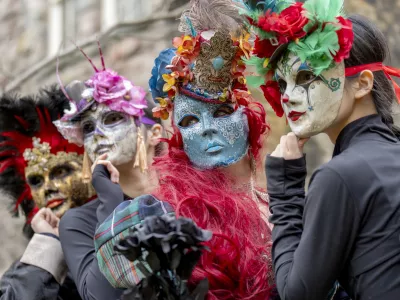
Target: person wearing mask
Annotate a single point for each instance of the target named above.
(326, 74)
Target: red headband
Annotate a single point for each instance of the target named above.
(389, 72)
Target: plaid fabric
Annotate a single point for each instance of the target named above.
(118, 270)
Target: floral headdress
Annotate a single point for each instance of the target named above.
(107, 87)
(206, 62)
(316, 31)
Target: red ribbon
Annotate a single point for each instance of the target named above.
(389, 72)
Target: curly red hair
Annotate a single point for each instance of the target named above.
(238, 265)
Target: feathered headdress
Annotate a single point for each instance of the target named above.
(316, 31)
(28, 136)
(206, 61)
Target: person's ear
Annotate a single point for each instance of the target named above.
(154, 134)
(364, 84)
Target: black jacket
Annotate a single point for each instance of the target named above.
(77, 230)
(27, 282)
(348, 225)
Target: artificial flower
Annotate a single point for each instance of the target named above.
(160, 112)
(118, 93)
(291, 23)
(244, 45)
(345, 37)
(161, 63)
(169, 81)
(187, 46)
(273, 95)
(263, 48)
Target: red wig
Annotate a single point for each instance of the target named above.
(238, 265)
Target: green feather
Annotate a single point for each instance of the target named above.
(318, 48)
(255, 81)
(258, 63)
(323, 10)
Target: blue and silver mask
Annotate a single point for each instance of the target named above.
(214, 135)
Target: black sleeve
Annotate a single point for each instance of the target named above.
(76, 234)
(26, 282)
(110, 194)
(313, 235)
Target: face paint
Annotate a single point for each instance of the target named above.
(214, 135)
(107, 131)
(311, 103)
(58, 184)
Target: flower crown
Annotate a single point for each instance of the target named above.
(107, 87)
(210, 70)
(315, 31)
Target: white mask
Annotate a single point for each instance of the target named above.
(311, 103)
(108, 131)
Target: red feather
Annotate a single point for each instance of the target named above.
(19, 142)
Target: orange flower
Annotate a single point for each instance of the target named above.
(244, 44)
(163, 110)
(187, 46)
(161, 113)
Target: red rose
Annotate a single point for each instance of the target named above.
(268, 21)
(291, 23)
(345, 37)
(263, 48)
(273, 95)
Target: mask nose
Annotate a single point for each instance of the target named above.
(49, 189)
(208, 126)
(209, 132)
(98, 131)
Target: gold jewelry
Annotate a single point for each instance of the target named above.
(141, 154)
(86, 168)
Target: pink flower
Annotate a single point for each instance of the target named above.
(118, 93)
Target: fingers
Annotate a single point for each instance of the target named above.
(290, 147)
(110, 167)
(99, 158)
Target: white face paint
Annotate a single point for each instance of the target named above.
(311, 103)
(108, 131)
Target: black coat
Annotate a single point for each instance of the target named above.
(347, 228)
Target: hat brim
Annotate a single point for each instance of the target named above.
(82, 110)
(278, 54)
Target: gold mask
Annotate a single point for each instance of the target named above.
(55, 179)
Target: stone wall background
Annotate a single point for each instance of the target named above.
(143, 28)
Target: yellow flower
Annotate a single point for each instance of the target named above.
(169, 82)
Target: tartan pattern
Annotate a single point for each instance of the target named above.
(119, 271)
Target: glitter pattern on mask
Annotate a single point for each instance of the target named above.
(229, 134)
(119, 138)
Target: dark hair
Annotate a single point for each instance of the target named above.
(369, 47)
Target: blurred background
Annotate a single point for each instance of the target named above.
(132, 33)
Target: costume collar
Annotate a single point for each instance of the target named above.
(361, 129)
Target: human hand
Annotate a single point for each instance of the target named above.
(290, 147)
(45, 221)
(102, 160)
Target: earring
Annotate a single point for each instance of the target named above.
(141, 154)
(86, 168)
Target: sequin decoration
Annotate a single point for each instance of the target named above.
(211, 139)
